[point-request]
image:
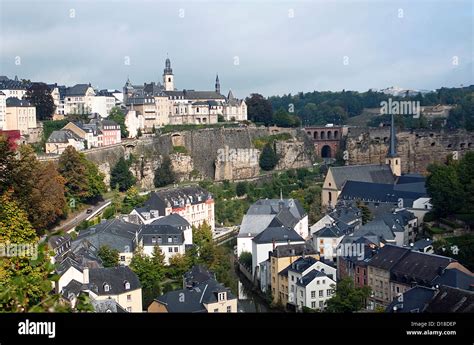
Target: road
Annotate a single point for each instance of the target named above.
(78, 218)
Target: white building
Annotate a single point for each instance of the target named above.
(271, 212)
(133, 122)
(170, 239)
(268, 240)
(12, 87)
(310, 283)
(78, 99)
(102, 103)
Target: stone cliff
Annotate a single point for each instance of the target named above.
(417, 149)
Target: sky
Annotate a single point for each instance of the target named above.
(268, 47)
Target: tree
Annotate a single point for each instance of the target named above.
(47, 202)
(245, 259)
(150, 272)
(109, 256)
(84, 182)
(347, 297)
(132, 199)
(268, 158)
(39, 95)
(241, 188)
(117, 115)
(122, 176)
(444, 188)
(83, 304)
(202, 235)
(164, 174)
(8, 165)
(366, 214)
(259, 109)
(139, 133)
(179, 264)
(71, 166)
(25, 280)
(283, 119)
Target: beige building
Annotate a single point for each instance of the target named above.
(19, 115)
(79, 99)
(58, 141)
(280, 258)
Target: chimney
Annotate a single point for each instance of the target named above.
(85, 275)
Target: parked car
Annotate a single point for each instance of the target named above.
(89, 210)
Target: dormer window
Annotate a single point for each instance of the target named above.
(221, 296)
(106, 287)
(127, 285)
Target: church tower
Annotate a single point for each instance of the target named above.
(393, 160)
(218, 84)
(168, 78)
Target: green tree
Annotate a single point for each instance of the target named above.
(8, 165)
(139, 133)
(241, 188)
(150, 272)
(71, 166)
(25, 281)
(109, 256)
(39, 94)
(164, 174)
(259, 109)
(444, 188)
(268, 158)
(84, 304)
(366, 214)
(348, 298)
(179, 264)
(117, 115)
(245, 259)
(131, 200)
(121, 176)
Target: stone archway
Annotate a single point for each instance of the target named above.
(326, 151)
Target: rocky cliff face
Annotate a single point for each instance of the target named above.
(417, 149)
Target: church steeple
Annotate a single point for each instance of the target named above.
(393, 160)
(168, 78)
(218, 84)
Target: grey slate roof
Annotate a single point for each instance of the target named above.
(388, 256)
(107, 306)
(15, 102)
(77, 90)
(293, 250)
(419, 267)
(378, 228)
(174, 220)
(115, 277)
(261, 214)
(422, 244)
(191, 94)
(203, 293)
(302, 264)
(62, 136)
(58, 240)
(414, 300)
(451, 300)
(161, 233)
(365, 173)
(377, 192)
(114, 233)
(309, 277)
(197, 275)
(277, 234)
(455, 278)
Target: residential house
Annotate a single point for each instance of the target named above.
(280, 258)
(78, 99)
(168, 238)
(310, 282)
(120, 284)
(267, 241)
(443, 299)
(12, 87)
(103, 102)
(425, 245)
(19, 115)
(58, 141)
(271, 213)
(193, 203)
(134, 121)
(115, 234)
(202, 294)
(60, 245)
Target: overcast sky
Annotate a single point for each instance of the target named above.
(269, 47)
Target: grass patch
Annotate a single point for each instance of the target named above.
(260, 142)
(180, 149)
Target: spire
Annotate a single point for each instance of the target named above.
(168, 69)
(230, 95)
(392, 151)
(218, 84)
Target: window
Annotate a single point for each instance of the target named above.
(106, 287)
(129, 298)
(127, 285)
(175, 249)
(221, 296)
(313, 305)
(292, 278)
(321, 293)
(328, 292)
(122, 258)
(170, 249)
(216, 310)
(317, 282)
(301, 293)
(321, 304)
(313, 294)
(170, 239)
(129, 309)
(229, 309)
